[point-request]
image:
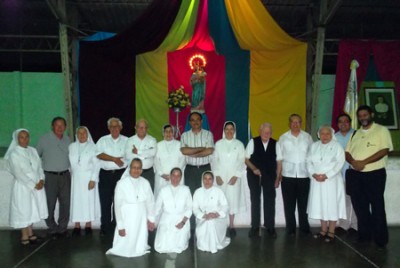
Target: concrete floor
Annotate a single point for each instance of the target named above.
(285, 251)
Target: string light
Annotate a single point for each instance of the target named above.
(199, 57)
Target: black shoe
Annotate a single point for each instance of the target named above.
(340, 231)
(33, 239)
(272, 233)
(103, 232)
(254, 232)
(352, 232)
(380, 247)
(291, 233)
(88, 230)
(64, 234)
(76, 232)
(54, 236)
(232, 232)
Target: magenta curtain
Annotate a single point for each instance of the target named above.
(387, 59)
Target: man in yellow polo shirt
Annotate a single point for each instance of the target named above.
(367, 152)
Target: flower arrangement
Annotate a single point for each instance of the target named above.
(178, 99)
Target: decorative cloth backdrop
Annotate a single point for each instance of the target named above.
(386, 56)
(256, 75)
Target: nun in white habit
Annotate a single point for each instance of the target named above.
(85, 204)
(210, 208)
(174, 207)
(228, 167)
(168, 156)
(326, 200)
(28, 198)
(133, 201)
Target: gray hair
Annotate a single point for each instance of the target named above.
(142, 120)
(114, 119)
(266, 125)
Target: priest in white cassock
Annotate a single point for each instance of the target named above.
(228, 166)
(28, 198)
(168, 156)
(85, 167)
(327, 195)
(210, 208)
(134, 202)
(173, 207)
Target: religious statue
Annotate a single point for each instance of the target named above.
(198, 83)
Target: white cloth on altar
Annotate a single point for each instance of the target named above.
(85, 167)
(172, 205)
(326, 200)
(211, 234)
(133, 207)
(168, 156)
(228, 161)
(28, 205)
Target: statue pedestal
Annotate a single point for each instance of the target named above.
(177, 129)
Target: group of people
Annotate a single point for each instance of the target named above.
(138, 185)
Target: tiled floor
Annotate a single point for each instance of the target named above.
(285, 251)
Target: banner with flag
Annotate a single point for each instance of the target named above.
(351, 101)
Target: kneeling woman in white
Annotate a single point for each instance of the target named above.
(133, 201)
(210, 208)
(174, 207)
(28, 198)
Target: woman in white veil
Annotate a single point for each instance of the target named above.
(28, 198)
(168, 156)
(85, 204)
(228, 167)
(326, 200)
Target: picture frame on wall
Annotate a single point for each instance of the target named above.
(383, 102)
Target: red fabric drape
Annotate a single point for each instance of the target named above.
(387, 59)
(179, 73)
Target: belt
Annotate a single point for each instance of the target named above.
(147, 169)
(112, 170)
(59, 173)
(198, 166)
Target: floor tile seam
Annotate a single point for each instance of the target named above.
(31, 254)
(195, 251)
(357, 252)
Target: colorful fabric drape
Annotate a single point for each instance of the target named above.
(258, 73)
(277, 65)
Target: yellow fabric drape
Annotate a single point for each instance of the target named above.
(152, 70)
(277, 65)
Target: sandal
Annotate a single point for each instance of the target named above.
(33, 239)
(25, 242)
(320, 235)
(330, 237)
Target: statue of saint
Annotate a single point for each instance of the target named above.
(198, 83)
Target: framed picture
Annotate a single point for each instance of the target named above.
(383, 102)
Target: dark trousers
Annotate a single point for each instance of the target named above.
(193, 181)
(367, 196)
(295, 191)
(107, 182)
(58, 187)
(269, 193)
(148, 174)
(193, 176)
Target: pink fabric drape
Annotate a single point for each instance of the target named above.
(387, 59)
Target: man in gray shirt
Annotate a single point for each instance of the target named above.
(53, 149)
